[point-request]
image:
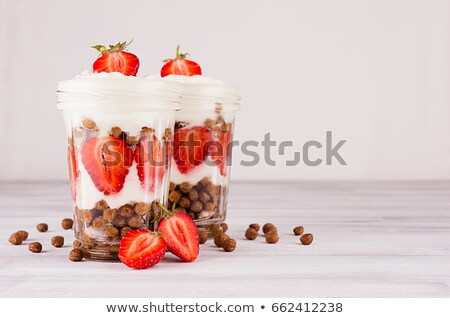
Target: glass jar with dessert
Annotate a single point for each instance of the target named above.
(119, 130)
(201, 160)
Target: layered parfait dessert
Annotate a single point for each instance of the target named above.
(119, 128)
(202, 149)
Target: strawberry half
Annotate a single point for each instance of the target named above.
(181, 234)
(223, 152)
(107, 160)
(73, 169)
(180, 66)
(151, 157)
(190, 147)
(115, 59)
(142, 249)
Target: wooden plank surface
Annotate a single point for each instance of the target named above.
(372, 239)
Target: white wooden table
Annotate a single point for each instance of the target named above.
(372, 239)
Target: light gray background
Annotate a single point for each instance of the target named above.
(374, 72)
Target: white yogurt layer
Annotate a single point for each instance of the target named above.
(88, 195)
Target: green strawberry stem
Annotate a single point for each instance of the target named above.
(180, 56)
(167, 213)
(120, 46)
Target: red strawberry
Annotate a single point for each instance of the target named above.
(181, 234)
(115, 59)
(73, 169)
(223, 152)
(142, 249)
(190, 147)
(107, 160)
(151, 157)
(180, 66)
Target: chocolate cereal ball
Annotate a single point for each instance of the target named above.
(251, 234)
(202, 237)
(298, 230)
(272, 237)
(35, 247)
(57, 241)
(229, 245)
(42, 227)
(67, 224)
(268, 227)
(76, 255)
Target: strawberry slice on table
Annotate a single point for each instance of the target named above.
(190, 147)
(181, 234)
(223, 152)
(107, 161)
(180, 66)
(151, 157)
(142, 249)
(115, 59)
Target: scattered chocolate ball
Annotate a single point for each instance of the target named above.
(77, 244)
(251, 234)
(35, 247)
(272, 237)
(229, 245)
(306, 239)
(254, 226)
(42, 227)
(76, 255)
(57, 241)
(67, 224)
(22, 234)
(202, 237)
(220, 238)
(15, 239)
(224, 227)
(268, 227)
(298, 230)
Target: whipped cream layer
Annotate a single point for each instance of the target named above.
(200, 93)
(89, 90)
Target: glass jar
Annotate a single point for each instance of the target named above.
(201, 160)
(119, 130)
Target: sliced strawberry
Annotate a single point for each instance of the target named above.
(180, 66)
(142, 249)
(181, 234)
(190, 147)
(107, 160)
(151, 157)
(222, 153)
(115, 59)
(73, 169)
